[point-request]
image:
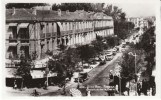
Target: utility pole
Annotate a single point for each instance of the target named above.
(130, 53)
(120, 84)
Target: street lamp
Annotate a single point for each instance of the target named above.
(47, 73)
(130, 53)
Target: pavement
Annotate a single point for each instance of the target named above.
(27, 91)
(51, 90)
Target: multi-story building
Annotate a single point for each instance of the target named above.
(138, 22)
(33, 30)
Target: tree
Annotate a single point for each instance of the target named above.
(147, 43)
(112, 41)
(122, 27)
(24, 70)
(97, 7)
(86, 52)
(113, 11)
(72, 6)
(64, 64)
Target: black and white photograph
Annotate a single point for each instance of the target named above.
(80, 49)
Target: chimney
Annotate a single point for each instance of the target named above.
(34, 11)
(59, 12)
(67, 12)
(13, 11)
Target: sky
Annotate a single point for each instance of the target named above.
(137, 9)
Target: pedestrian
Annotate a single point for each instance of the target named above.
(35, 93)
(88, 93)
(45, 85)
(144, 87)
(139, 89)
(15, 85)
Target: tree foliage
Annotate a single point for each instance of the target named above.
(147, 43)
(72, 6)
(86, 52)
(130, 66)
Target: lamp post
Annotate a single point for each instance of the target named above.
(130, 53)
(47, 72)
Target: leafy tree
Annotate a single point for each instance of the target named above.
(86, 52)
(113, 11)
(64, 64)
(72, 6)
(24, 70)
(147, 43)
(98, 46)
(112, 41)
(97, 7)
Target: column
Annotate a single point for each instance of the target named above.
(64, 41)
(73, 39)
(76, 36)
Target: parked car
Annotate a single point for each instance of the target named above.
(83, 76)
(102, 62)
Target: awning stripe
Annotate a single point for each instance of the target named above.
(23, 25)
(13, 44)
(12, 24)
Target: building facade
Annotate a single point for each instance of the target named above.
(138, 22)
(31, 31)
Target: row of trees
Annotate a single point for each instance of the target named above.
(67, 61)
(145, 59)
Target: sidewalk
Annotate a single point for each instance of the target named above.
(27, 91)
(50, 90)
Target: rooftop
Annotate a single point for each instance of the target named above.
(50, 15)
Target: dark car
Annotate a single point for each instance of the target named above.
(103, 62)
(82, 77)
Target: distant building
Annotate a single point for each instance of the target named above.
(138, 22)
(38, 30)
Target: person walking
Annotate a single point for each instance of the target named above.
(15, 85)
(139, 89)
(45, 85)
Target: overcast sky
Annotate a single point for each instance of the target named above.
(138, 9)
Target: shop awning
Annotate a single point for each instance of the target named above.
(41, 74)
(13, 44)
(37, 74)
(25, 44)
(10, 73)
(12, 24)
(60, 26)
(154, 73)
(23, 25)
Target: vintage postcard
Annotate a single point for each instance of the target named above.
(80, 49)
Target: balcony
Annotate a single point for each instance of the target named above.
(48, 35)
(42, 36)
(54, 34)
(24, 42)
(12, 40)
(102, 28)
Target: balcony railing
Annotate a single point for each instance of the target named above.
(12, 40)
(102, 28)
(48, 35)
(42, 36)
(54, 34)
(24, 40)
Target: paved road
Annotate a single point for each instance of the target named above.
(100, 75)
